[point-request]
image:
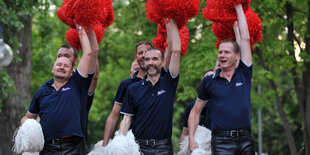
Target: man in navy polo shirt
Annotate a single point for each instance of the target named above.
(188, 109)
(113, 118)
(150, 101)
(60, 104)
(228, 94)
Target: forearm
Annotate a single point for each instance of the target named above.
(242, 36)
(175, 48)
(95, 49)
(125, 124)
(243, 26)
(167, 57)
(94, 81)
(84, 63)
(110, 128)
(183, 134)
(193, 121)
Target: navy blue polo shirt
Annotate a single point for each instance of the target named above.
(60, 111)
(229, 102)
(151, 107)
(86, 104)
(123, 86)
(203, 118)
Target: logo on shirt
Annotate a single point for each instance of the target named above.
(160, 92)
(238, 84)
(65, 89)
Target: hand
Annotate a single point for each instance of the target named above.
(78, 27)
(192, 145)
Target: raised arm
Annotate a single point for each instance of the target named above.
(243, 36)
(193, 121)
(172, 30)
(125, 124)
(84, 63)
(94, 81)
(168, 50)
(94, 48)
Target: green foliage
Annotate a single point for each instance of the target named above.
(6, 86)
(117, 50)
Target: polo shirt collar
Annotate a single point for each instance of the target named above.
(217, 73)
(134, 76)
(161, 74)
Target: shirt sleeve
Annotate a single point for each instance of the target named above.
(128, 105)
(121, 92)
(246, 69)
(83, 82)
(173, 79)
(34, 107)
(202, 92)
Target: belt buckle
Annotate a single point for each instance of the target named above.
(234, 133)
(150, 142)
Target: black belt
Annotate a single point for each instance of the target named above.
(232, 133)
(153, 142)
(71, 139)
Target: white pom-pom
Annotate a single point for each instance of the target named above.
(203, 138)
(31, 153)
(98, 149)
(28, 137)
(125, 145)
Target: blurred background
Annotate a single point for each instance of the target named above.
(281, 67)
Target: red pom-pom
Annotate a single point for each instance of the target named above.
(224, 30)
(73, 39)
(65, 13)
(86, 13)
(179, 10)
(223, 10)
(255, 27)
(160, 40)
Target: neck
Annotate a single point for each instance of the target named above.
(227, 73)
(58, 83)
(153, 79)
(141, 73)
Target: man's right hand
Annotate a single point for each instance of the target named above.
(192, 144)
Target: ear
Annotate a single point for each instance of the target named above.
(75, 61)
(163, 63)
(238, 56)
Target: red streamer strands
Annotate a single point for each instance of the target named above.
(223, 10)
(224, 30)
(179, 10)
(95, 14)
(72, 36)
(86, 13)
(160, 40)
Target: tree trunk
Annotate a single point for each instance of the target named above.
(20, 72)
(283, 116)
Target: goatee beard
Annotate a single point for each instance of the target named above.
(152, 66)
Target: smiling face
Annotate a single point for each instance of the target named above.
(140, 55)
(154, 62)
(134, 67)
(227, 57)
(62, 68)
(68, 53)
